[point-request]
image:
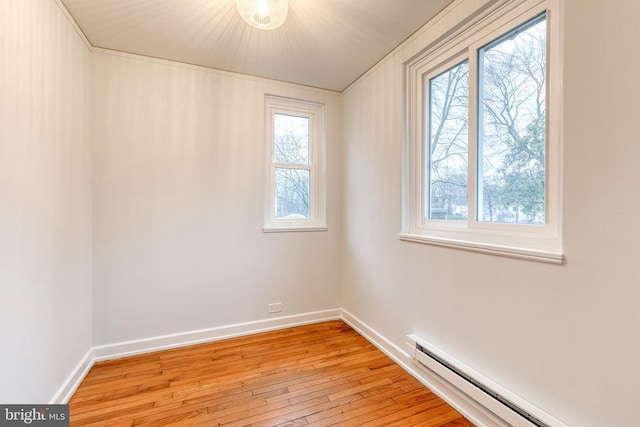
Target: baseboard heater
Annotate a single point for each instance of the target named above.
(506, 405)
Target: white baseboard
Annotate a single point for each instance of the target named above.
(147, 345)
(472, 410)
(72, 382)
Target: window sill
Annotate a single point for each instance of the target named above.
(294, 228)
(544, 256)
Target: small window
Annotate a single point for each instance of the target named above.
(482, 161)
(295, 193)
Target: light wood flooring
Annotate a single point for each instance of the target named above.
(324, 374)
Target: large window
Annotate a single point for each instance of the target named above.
(294, 156)
(483, 156)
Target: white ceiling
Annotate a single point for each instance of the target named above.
(324, 43)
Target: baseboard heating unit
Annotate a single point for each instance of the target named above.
(503, 403)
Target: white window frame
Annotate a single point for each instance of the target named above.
(533, 242)
(315, 113)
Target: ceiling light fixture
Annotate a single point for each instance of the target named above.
(263, 14)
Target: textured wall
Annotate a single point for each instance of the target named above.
(178, 203)
(564, 338)
(45, 200)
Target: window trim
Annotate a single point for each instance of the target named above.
(315, 112)
(532, 242)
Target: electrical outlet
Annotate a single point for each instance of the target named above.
(276, 307)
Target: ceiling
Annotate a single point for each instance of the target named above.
(324, 43)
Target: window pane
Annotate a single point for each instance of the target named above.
(291, 139)
(511, 126)
(448, 143)
(292, 193)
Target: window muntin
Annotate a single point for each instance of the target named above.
(538, 239)
(295, 185)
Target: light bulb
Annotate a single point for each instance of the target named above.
(263, 14)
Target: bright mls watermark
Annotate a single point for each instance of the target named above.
(34, 415)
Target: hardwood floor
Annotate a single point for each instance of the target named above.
(317, 375)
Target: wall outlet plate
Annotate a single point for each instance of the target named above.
(276, 307)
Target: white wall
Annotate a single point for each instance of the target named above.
(45, 200)
(178, 203)
(565, 338)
